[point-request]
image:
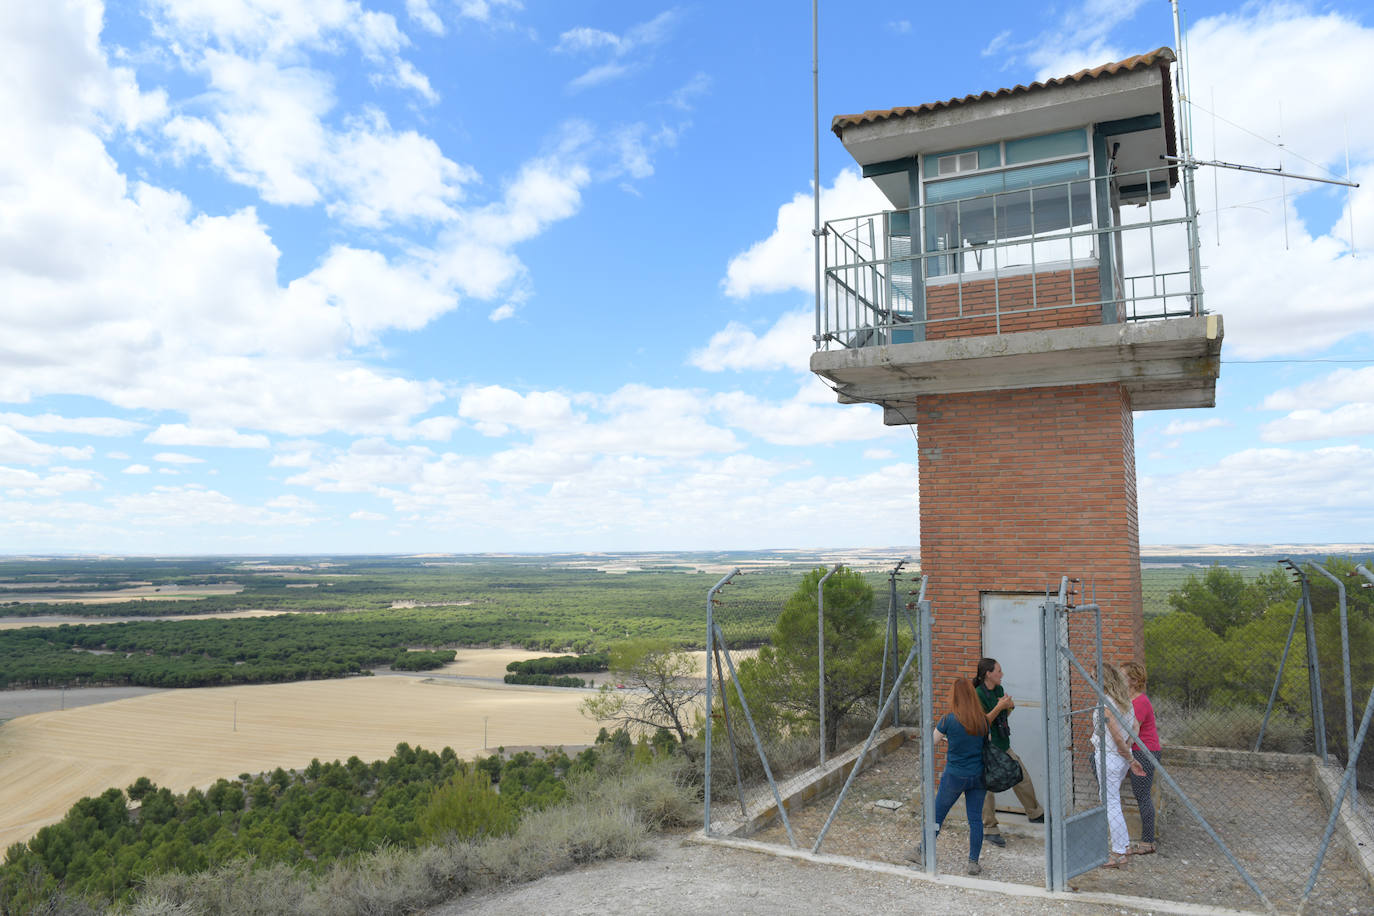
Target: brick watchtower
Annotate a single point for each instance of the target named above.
(1032, 287)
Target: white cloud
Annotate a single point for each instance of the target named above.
(423, 13)
(625, 50)
(786, 259)
(177, 458)
(405, 76)
(1272, 495)
(193, 506)
(481, 10)
(17, 448)
(1183, 427)
(137, 469)
(88, 426)
(277, 26)
(181, 434)
(1340, 387)
(786, 345)
(684, 97)
(1349, 391)
(800, 421)
(494, 410)
(362, 515)
(502, 312)
(23, 484)
(1348, 420)
(1271, 265)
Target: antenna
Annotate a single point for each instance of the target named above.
(1189, 164)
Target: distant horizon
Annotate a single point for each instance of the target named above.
(1146, 550)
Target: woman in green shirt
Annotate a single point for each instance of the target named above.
(997, 705)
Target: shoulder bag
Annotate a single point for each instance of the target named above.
(1000, 771)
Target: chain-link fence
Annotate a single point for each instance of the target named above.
(1246, 811)
(779, 732)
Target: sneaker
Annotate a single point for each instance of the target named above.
(995, 839)
(974, 868)
(1038, 820)
(915, 854)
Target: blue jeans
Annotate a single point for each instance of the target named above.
(971, 787)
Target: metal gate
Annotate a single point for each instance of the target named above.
(1076, 815)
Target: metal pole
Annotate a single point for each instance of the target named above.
(730, 733)
(820, 640)
(710, 645)
(1278, 678)
(927, 730)
(758, 744)
(1056, 878)
(1346, 784)
(873, 733)
(816, 157)
(1186, 142)
(1345, 658)
(1314, 677)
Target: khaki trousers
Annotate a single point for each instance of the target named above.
(1025, 794)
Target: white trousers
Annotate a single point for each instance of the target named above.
(1117, 768)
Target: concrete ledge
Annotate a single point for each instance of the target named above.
(1352, 827)
(1164, 364)
(761, 808)
(1233, 759)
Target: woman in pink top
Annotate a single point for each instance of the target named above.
(1149, 736)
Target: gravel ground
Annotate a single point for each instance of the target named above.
(680, 878)
(1272, 822)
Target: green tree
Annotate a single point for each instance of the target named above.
(466, 806)
(662, 688)
(1184, 657)
(1224, 599)
(783, 678)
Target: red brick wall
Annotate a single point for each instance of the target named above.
(1019, 488)
(973, 307)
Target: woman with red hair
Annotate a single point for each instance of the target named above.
(965, 727)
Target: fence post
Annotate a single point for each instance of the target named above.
(927, 729)
(1314, 677)
(820, 639)
(710, 646)
(1345, 658)
(1055, 876)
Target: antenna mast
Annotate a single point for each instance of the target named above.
(1186, 144)
(816, 158)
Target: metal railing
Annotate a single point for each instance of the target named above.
(898, 275)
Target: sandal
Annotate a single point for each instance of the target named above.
(1142, 849)
(1115, 860)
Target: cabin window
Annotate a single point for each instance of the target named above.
(1014, 193)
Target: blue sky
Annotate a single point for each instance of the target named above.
(489, 275)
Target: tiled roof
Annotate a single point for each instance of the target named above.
(1161, 58)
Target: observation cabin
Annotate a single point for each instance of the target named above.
(1035, 238)
(1034, 283)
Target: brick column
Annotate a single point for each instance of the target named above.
(1018, 488)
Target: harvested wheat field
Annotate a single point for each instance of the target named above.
(185, 738)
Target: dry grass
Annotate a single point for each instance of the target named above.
(185, 738)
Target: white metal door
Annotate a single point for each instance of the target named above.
(1012, 635)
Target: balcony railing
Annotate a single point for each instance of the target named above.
(1055, 255)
